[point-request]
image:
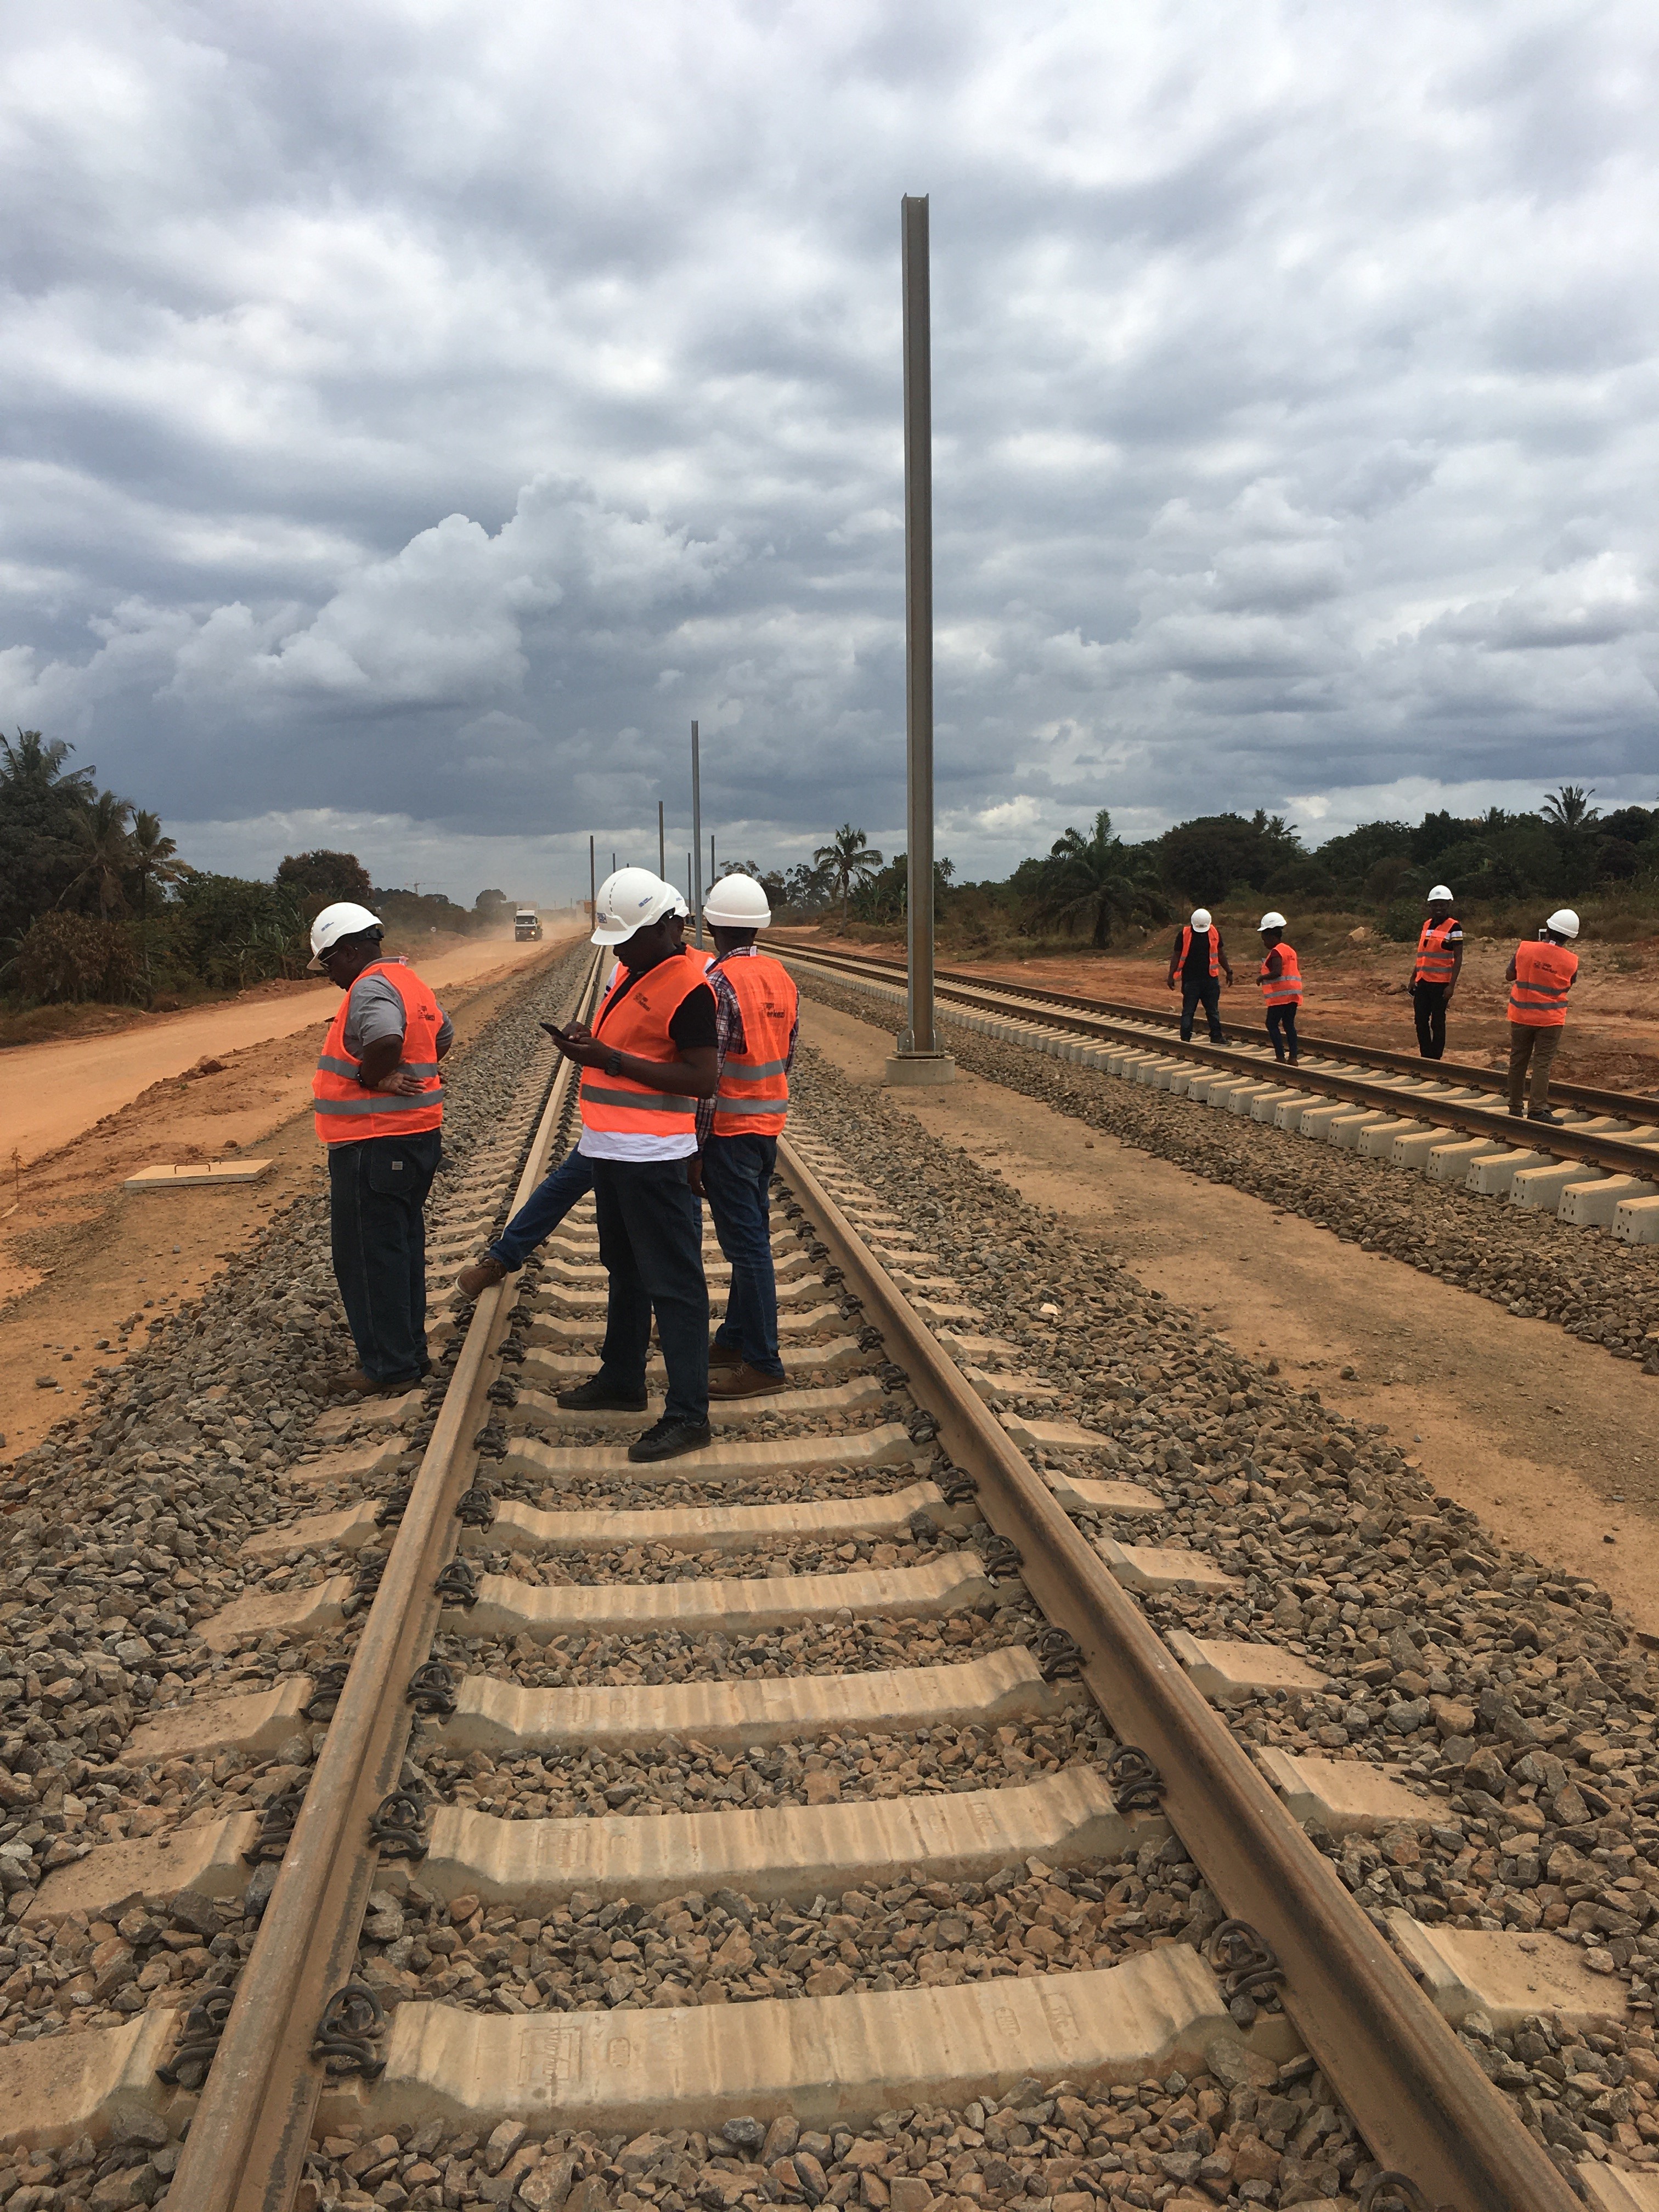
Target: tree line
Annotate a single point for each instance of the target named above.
(1093, 884)
(96, 901)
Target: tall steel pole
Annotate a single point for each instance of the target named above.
(711, 860)
(592, 883)
(662, 847)
(919, 1059)
(696, 835)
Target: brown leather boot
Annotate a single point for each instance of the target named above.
(482, 1275)
(743, 1380)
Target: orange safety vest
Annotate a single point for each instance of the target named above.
(636, 1021)
(1283, 989)
(754, 1092)
(1214, 936)
(346, 1112)
(1436, 960)
(1543, 977)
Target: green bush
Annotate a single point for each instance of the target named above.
(232, 932)
(64, 958)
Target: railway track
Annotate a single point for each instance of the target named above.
(1599, 1168)
(831, 1816)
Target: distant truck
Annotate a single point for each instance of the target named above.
(526, 925)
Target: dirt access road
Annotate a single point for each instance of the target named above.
(1355, 992)
(1553, 1445)
(86, 1266)
(49, 1093)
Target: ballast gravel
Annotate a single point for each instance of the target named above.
(122, 1531)
(1529, 1262)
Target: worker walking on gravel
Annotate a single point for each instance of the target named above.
(649, 1056)
(379, 1102)
(1200, 958)
(758, 1017)
(1280, 979)
(1434, 977)
(1540, 977)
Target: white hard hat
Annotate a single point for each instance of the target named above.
(1201, 917)
(1440, 891)
(737, 902)
(1564, 922)
(343, 918)
(632, 899)
(1271, 921)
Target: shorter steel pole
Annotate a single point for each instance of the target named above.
(711, 860)
(662, 849)
(696, 835)
(592, 883)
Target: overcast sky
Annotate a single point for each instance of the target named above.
(417, 413)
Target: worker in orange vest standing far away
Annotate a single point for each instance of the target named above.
(1281, 985)
(1434, 977)
(758, 1014)
(1200, 958)
(379, 1101)
(1540, 977)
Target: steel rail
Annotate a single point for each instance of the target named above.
(248, 2138)
(1628, 1105)
(1564, 1142)
(1422, 2104)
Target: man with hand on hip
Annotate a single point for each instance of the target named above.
(648, 1058)
(379, 1101)
(758, 1015)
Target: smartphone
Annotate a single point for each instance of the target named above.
(555, 1032)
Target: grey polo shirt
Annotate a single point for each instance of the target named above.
(375, 1011)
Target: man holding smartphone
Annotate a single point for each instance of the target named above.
(650, 1056)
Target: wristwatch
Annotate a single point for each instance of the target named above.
(613, 1062)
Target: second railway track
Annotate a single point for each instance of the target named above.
(820, 1817)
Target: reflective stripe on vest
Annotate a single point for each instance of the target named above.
(1284, 988)
(754, 1092)
(1214, 936)
(635, 1019)
(1543, 977)
(346, 1112)
(1436, 960)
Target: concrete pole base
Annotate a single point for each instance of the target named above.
(920, 1067)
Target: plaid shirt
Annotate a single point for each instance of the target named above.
(728, 1032)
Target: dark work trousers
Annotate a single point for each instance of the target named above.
(377, 1188)
(737, 1176)
(651, 1243)
(1429, 1012)
(1532, 1046)
(1202, 991)
(1281, 1031)
(543, 1210)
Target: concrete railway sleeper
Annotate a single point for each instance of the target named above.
(848, 1814)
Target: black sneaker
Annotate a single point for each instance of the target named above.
(597, 1395)
(1554, 1119)
(666, 1439)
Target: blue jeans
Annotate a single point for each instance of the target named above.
(377, 1190)
(543, 1210)
(737, 1175)
(651, 1243)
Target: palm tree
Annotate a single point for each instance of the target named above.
(1569, 808)
(102, 834)
(1092, 882)
(847, 860)
(154, 861)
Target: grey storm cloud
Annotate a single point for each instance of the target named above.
(415, 416)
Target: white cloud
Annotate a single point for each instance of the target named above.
(427, 414)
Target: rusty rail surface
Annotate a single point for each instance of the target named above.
(1617, 1154)
(1421, 2102)
(246, 2147)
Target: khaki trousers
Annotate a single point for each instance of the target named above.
(1530, 1043)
